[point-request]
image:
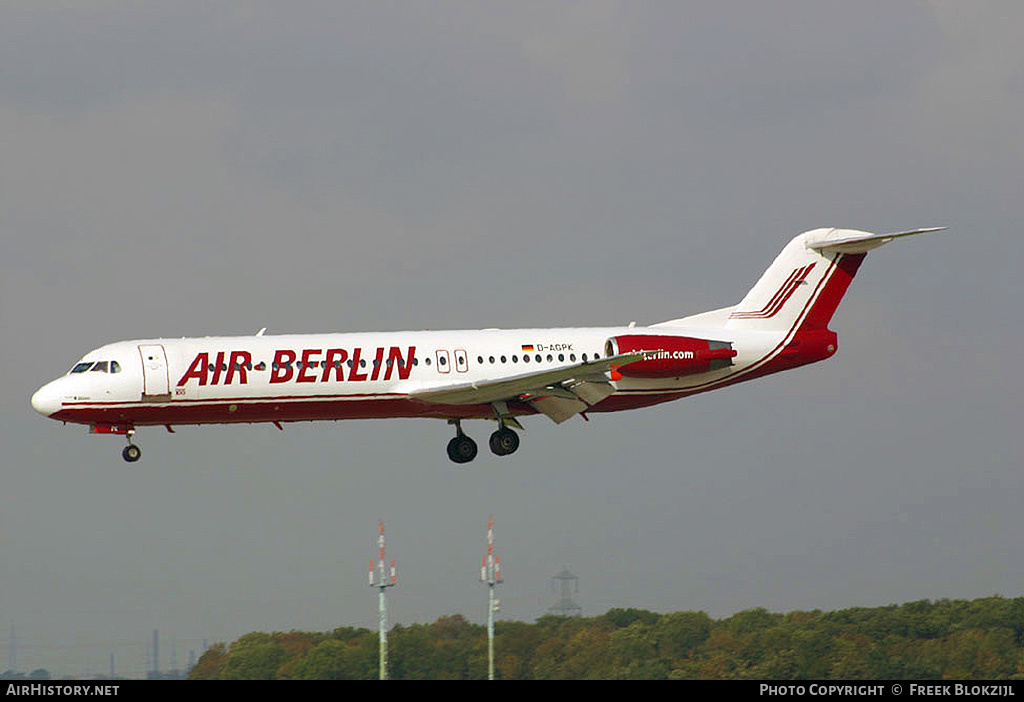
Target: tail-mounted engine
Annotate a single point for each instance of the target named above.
(669, 356)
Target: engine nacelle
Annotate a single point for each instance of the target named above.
(669, 356)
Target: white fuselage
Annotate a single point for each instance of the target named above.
(351, 375)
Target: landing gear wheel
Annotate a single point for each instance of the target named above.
(504, 441)
(462, 449)
(131, 453)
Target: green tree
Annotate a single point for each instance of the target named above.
(634, 654)
(254, 656)
(210, 664)
(621, 618)
(918, 640)
(679, 633)
(334, 659)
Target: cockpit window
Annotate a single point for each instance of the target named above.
(98, 366)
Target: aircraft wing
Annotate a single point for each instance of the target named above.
(560, 393)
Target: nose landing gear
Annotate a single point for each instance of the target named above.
(131, 453)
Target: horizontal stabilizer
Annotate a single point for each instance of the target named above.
(854, 241)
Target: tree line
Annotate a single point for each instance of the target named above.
(952, 639)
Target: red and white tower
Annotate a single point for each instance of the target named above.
(384, 579)
(490, 573)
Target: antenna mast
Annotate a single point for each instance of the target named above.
(383, 581)
(490, 573)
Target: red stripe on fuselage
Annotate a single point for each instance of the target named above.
(319, 409)
(274, 409)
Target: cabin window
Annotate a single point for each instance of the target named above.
(561, 357)
(537, 358)
(503, 359)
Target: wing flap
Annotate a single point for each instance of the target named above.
(589, 391)
(558, 409)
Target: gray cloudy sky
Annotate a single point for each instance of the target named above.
(192, 168)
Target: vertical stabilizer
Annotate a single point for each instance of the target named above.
(805, 284)
(787, 290)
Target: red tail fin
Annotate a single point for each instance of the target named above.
(825, 306)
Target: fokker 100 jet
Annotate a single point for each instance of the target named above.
(496, 374)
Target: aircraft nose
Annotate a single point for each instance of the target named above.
(46, 400)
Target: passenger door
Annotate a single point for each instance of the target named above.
(156, 384)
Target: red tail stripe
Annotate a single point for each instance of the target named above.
(792, 276)
(780, 298)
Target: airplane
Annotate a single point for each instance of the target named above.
(496, 374)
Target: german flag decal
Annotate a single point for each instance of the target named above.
(527, 347)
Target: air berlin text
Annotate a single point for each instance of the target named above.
(305, 366)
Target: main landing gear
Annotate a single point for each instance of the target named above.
(462, 449)
(504, 441)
